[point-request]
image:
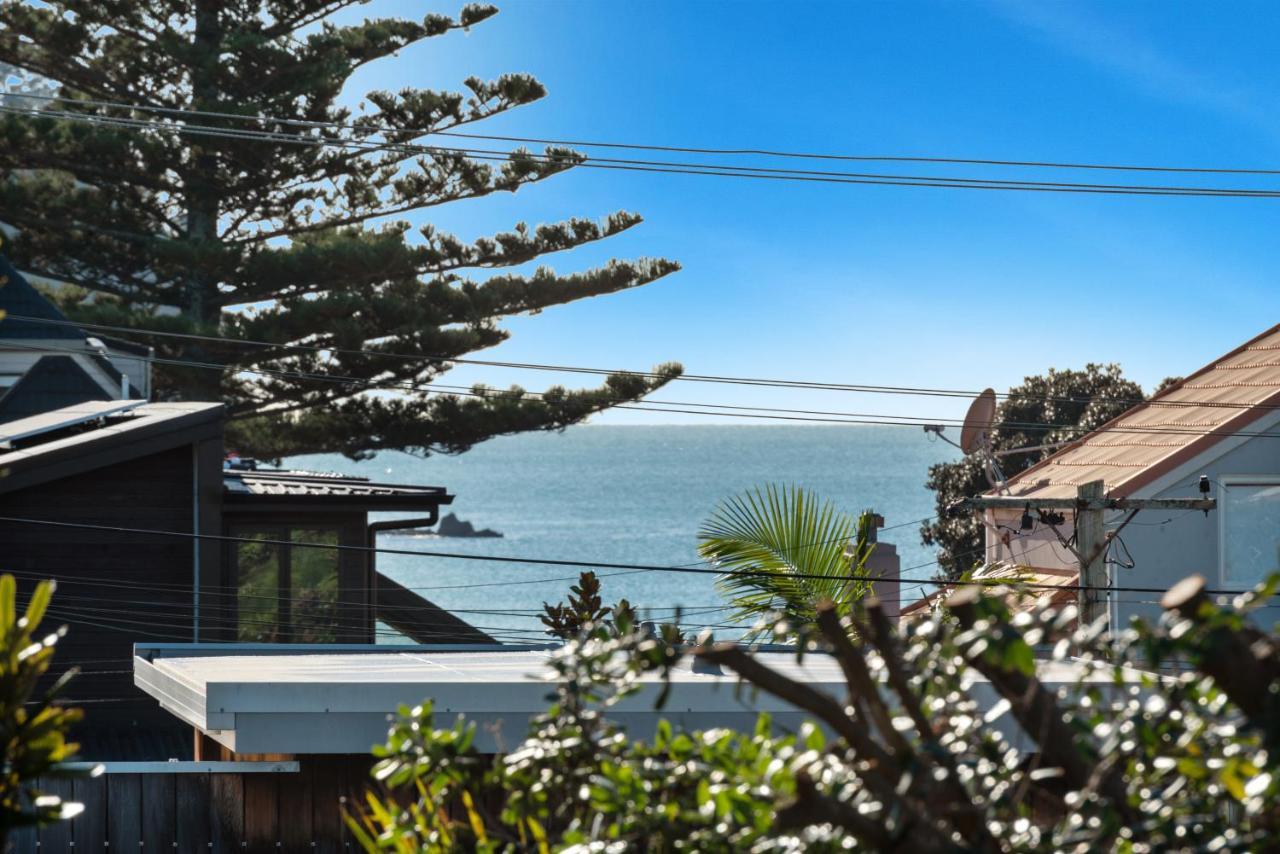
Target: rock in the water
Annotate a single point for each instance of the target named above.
(452, 526)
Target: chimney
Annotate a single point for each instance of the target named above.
(884, 563)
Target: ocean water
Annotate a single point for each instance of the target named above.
(634, 494)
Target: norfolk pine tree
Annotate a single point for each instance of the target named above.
(158, 227)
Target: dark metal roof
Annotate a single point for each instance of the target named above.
(311, 487)
(92, 434)
(17, 296)
(53, 382)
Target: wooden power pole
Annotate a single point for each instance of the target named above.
(1091, 537)
(1091, 548)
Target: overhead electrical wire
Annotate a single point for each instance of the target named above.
(368, 127)
(698, 408)
(698, 378)
(541, 561)
(716, 170)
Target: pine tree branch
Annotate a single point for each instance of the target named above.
(308, 16)
(355, 258)
(467, 179)
(67, 278)
(513, 294)
(165, 215)
(440, 424)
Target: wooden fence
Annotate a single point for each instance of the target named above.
(206, 806)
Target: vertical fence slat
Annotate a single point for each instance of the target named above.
(124, 812)
(158, 812)
(56, 836)
(355, 771)
(90, 827)
(226, 811)
(261, 812)
(328, 785)
(296, 824)
(23, 840)
(192, 797)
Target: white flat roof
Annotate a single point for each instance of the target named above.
(337, 699)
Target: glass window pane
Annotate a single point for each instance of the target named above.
(258, 590)
(1251, 528)
(313, 576)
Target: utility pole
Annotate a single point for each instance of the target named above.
(1091, 547)
(1091, 538)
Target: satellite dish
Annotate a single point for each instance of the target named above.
(977, 422)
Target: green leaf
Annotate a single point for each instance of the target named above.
(783, 549)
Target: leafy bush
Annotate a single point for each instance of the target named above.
(32, 728)
(909, 760)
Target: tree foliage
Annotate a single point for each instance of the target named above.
(585, 608)
(184, 224)
(784, 550)
(1057, 407)
(908, 760)
(32, 726)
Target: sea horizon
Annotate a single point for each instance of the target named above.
(634, 494)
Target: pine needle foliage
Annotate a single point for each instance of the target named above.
(784, 549)
(182, 225)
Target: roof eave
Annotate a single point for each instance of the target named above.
(334, 503)
(112, 446)
(1139, 479)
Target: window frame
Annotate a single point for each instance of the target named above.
(355, 622)
(1225, 482)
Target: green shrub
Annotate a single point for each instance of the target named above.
(32, 727)
(909, 760)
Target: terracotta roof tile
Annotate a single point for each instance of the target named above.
(1224, 397)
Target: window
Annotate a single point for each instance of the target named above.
(286, 589)
(1250, 546)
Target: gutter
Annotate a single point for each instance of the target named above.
(447, 623)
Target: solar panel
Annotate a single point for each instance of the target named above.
(61, 419)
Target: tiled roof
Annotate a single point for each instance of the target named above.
(1153, 438)
(280, 484)
(1018, 600)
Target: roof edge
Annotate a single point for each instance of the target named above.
(1017, 478)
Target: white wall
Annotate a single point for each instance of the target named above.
(1166, 553)
(1166, 546)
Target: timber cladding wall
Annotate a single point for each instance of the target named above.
(199, 811)
(114, 588)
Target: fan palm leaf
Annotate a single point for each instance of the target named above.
(784, 550)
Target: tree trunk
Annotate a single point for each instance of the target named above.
(201, 298)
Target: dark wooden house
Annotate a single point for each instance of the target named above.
(130, 507)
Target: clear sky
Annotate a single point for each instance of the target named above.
(883, 285)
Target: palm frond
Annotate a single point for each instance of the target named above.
(783, 549)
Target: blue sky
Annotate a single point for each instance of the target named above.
(892, 286)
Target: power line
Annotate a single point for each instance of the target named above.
(569, 562)
(366, 127)
(664, 167)
(817, 385)
(721, 410)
